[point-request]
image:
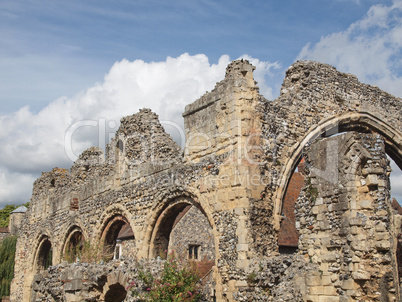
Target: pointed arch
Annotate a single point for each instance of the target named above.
(116, 220)
(43, 254)
(164, 213)
(352, 121)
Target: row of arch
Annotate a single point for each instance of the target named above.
(116, 227)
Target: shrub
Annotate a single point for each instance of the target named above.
(178, 282)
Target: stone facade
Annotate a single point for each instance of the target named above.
(231, 180)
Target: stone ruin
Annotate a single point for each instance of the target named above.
(284, 200)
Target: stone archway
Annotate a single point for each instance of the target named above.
(73, 244)
(115, 287)
(345, 210)
(360, 122)
(182, 228)
(44, 255)
(117, 238)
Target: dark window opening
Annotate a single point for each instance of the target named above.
(287, 250)
(193, 251)
(74, 246)
(74, 204)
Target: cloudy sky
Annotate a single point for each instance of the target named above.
(76, 67)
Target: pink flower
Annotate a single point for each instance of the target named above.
(148, 289)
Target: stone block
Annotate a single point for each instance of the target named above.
(348, 284)
(382, 236)
(74, 285)
(383, 245)
(372, 180)
(366, 204)
(330, 291)
(313, 280)
(330, 257)
(361, 275)
(328, 299)
(316, 290)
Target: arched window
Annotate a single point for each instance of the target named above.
(118, 238)
(44, 255)
(184, 230)
(73, 245)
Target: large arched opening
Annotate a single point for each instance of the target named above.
(362, 122)
(73, 244)
(118, 238)
(44, 255)
(182, 229)
(367, 192)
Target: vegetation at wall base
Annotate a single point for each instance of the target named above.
(7, 255)
(88, 252)
(178, 282)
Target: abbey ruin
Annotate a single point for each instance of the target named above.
(284, 200)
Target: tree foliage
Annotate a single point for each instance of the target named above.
(7, 255)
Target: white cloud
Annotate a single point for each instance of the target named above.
(14, 186)
(370, 48)
(34, 142)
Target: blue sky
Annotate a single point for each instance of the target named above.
(53, 48)
(66, 61)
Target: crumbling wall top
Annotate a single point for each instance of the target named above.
(141, 138)
(55, 179)
(239, 73)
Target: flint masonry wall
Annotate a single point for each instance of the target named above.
(344, 220)
(240, 153)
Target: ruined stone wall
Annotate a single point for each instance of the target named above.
(141, 178)
(193, 229)
(345, 222)
(240, 153)
(316, 100)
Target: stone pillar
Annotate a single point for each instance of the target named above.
(345, 220)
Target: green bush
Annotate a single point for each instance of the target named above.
(178, 282)
(7, 255)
